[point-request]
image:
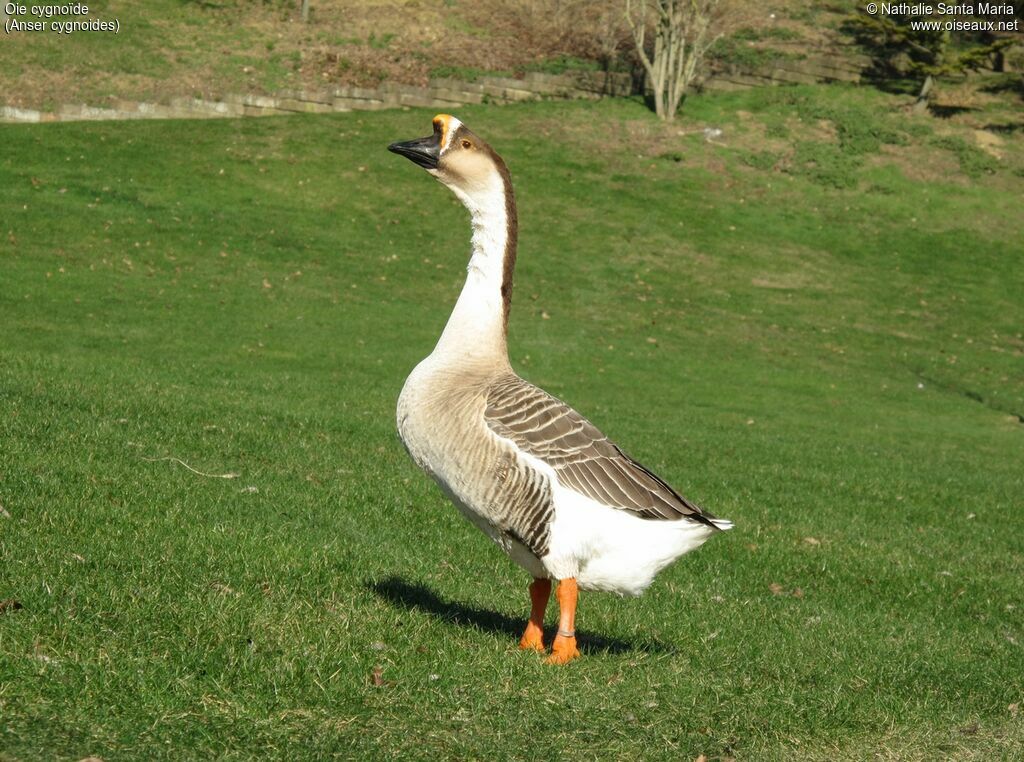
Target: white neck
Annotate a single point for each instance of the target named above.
(476, 328)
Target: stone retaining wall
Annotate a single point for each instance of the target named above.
(790, 71)
(447, 94)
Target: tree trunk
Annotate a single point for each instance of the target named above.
(924, 97)
(305, 11)
(999, 64)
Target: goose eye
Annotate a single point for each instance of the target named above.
(466, 144)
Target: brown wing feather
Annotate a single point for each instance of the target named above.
(583, 458)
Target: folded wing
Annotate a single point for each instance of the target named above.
(583, 458)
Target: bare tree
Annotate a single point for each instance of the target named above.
(683, 32)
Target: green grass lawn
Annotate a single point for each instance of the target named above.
(835, 366)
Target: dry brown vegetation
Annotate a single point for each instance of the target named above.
(408, 42)
(171, 48)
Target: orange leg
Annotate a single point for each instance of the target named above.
(533, 638)
(564, 647)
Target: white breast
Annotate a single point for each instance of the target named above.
(411, 414)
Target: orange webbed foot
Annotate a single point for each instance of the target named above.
(563, 650)
(533, 638)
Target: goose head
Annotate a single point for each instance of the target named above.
(458, 158)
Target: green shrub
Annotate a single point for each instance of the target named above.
(918, 129)
(973, 161)
(860, 130)
(562, 64)
(734, 52)
(766, 33)
(380, 43)
(763, 160)
(825, 164)
(465, 73)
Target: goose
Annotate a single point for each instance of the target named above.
(560, 498)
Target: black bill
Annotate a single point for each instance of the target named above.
(423, 151)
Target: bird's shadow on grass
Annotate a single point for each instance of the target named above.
(416, 597)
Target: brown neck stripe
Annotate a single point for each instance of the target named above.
(511, 243)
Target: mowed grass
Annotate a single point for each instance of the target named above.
(836, 369)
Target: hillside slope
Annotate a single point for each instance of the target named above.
(212, 544)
